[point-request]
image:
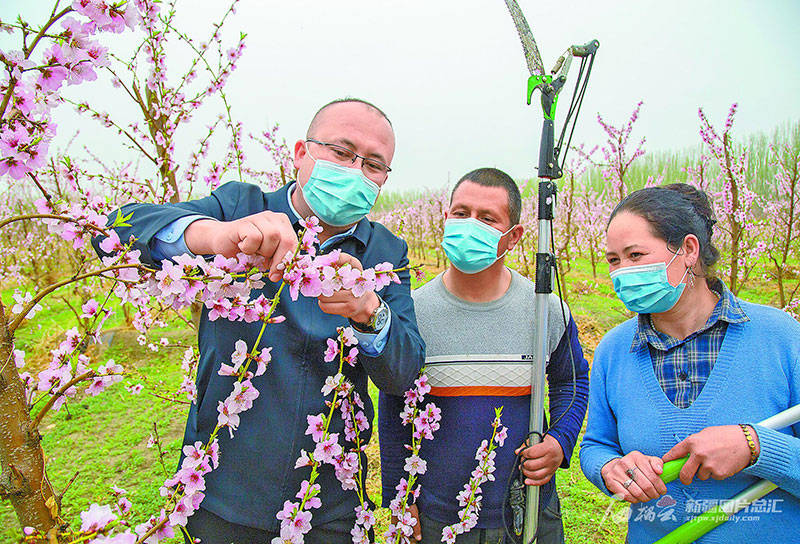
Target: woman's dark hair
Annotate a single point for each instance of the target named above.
(673, 211)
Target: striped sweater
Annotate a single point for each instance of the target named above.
(478, 357)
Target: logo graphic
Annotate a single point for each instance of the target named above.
(665, 501)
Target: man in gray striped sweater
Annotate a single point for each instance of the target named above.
(478, 321)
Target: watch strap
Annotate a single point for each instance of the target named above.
(369, 326)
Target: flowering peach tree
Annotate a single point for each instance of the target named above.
(56, 203)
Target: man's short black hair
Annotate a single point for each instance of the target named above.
(492, 177)
(345, 100)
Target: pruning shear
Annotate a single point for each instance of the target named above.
(550, 85)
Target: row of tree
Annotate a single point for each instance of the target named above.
(757, 207)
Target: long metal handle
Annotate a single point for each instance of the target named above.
(544, 288)
(536, 422)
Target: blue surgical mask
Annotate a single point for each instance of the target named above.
(644, 288)
(471, 245)
(339, 195)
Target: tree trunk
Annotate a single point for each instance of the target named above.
(789, 226)
(735, 226)
(781, 290)
(569, 234)
(126, 313)
(157, 125)
(24, 481)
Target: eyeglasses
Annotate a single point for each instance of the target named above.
(373, 169)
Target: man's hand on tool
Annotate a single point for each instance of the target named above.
(541, 460)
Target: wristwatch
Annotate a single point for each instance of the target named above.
(376, 321)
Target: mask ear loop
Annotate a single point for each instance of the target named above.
(498, 241)
(673, 256)
(688, 269)
(683, 277)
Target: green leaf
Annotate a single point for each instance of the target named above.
(120, 220)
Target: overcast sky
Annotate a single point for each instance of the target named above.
(452, 78)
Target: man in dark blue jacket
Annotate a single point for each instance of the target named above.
(341, 165)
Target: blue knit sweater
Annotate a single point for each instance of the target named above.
(756, 375)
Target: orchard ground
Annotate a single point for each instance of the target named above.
(97, 442)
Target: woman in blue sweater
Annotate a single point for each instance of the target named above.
(690, 375)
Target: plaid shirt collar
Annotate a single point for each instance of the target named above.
(727, 309)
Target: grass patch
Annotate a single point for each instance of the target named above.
(104, 438)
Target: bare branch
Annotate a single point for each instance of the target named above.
(63, 389)
(43, 293)
(119, 128)
(51, 216)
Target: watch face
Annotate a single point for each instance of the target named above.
(381, 316)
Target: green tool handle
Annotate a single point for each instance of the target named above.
(780, 420)
(696, 527)
(702, 524)
(713, 518)
(672, 469)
